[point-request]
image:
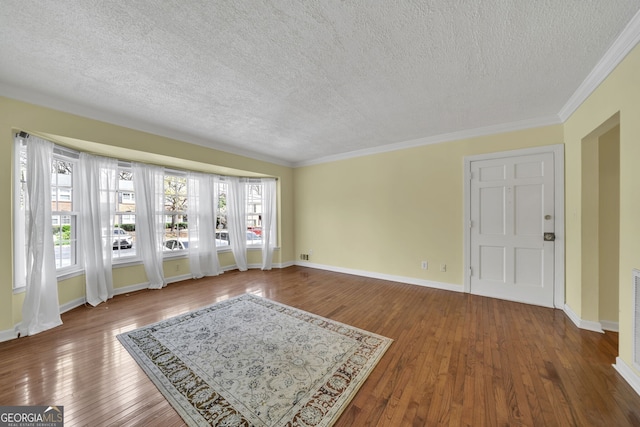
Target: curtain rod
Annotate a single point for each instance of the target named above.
(75, 153)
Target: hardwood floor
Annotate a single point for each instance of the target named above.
(456, 360)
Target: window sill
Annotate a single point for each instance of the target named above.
(127, 262)
(223, 249)
(64, 275)
(132, 262)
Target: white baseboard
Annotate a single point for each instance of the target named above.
(72, 304)
(130, 288)
(11, 334)
(259, 266)
(284, 264)
(8, 334)
(117, 291)
(581, 323)
(609, 325)
(179, 278)
(382, 276)
(628, 374)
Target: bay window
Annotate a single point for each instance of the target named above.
(65, 197)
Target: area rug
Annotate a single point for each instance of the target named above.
(249, 361)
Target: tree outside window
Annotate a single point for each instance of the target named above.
(175, 196)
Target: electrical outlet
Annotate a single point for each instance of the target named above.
(443, 267)
(177, 267)
(424, 265)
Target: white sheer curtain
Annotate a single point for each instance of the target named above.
(97, 193)
(201, 210)
(269, 212)
(237, 220)
(19, 215)
(148, 185)
(40, 309)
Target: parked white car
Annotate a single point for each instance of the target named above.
(175, 245)
(222, 238)
(253, 238)
(183, 245)
(121, 239)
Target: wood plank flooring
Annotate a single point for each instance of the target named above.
(456, 360)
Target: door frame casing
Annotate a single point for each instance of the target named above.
(558, 167)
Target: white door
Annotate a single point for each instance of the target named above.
(511, 228)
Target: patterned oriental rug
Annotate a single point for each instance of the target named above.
(249, 361)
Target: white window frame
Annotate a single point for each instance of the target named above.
(19, 238)
(118, 256)
(222, 187)
(251, 212)
(168, 214)
(77, 264)
(68, 155)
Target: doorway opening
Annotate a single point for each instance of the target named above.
(601, 224)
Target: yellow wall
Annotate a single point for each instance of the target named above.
(600, 217)
(116, 141)
(386, 213)
(618, 97)
(589, 292)
(609, 224)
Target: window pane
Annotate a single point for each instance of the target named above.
(20, 192)
(63, 217)
(254, 214)
(61, 186)
(22, 161)
(123, 239)
(222, 235)
(176, 234)
(64, 240)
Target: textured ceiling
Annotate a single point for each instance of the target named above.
(298, 81)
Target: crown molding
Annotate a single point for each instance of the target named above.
(43, 100)
(36, 98)
(624, 43)
(437, 139)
